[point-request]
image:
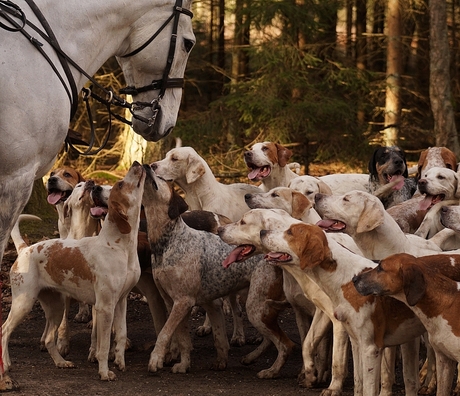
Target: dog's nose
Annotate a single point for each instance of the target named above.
(153, 166)
(318, 197)
(220, 229)
(247, 154)
(97, 188)
(422, 182)
(445, 209)
(247, 197)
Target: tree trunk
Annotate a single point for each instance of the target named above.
(393, 80)
(361, 47)
(440, 88)
(134, 145)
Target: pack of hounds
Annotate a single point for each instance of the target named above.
(376, 255)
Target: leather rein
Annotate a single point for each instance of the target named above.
(13, 14)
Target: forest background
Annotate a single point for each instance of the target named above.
(330, 79)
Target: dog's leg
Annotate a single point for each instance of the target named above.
(340, 348)
(93, 346)
(180, 310)
(63, 339)
(263, 315)
(120, 333)
(53, 305)
(387, 378)
(104, 313)
(318, 329)
(238, 337)
(83, 315)
(147, 287)
(445, 368)
(217, 319)
(358, 368)
(410, 353)
(371, 357)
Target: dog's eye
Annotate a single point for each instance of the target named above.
(120, 184)
(51, 174)
(265, 148)
(67, 174)
(242, 222)
(274, 195)
(440, 177)
(173, 159)
(346, 199)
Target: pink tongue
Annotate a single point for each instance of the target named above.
(330, 224)
(273, 256)
(232, 257)
(97, 211)
(426, 203)
(253, 175)
(53, 198)
(400, 183)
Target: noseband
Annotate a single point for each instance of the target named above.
(8, 9)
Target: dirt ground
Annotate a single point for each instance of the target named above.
(36, 374)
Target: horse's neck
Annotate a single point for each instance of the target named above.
(90, 32)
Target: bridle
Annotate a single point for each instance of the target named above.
(10, 10)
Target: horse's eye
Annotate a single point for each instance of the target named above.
(188, 44)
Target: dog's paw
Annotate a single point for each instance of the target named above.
(107, 376)
(331, 392)
(180, 368)
(65, 364)
(267, 374)
(307, 379)
(202, 331)
(155, 363)
(238, 341)
(63, 346)
(92, 355)
(7, 384)
(219, 365)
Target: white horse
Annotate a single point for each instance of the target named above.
(34, 105)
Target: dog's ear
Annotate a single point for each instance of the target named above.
(195, 169)
(284, 154)
(312, 244)
(457, 190)
(371, 217)
(372, 166)
(80, 177)
(177, 206)
(414, 283)
(324, 188)
(300, 204)
(67, 210)
(421, 161)
(117, 214)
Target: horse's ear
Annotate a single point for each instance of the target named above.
(117, 214)
(177, 206)
(195, 170)
(414, 284)
(284, 154)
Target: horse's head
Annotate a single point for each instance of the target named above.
(154, 67)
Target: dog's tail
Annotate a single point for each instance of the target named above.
(18, 240)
